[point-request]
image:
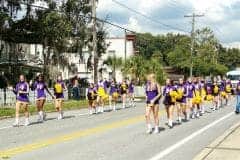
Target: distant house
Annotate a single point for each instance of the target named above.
(117, 48)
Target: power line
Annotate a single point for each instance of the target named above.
(90, 17)
(149, 18)
(193, 16)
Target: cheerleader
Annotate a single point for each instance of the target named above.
(190, 89)
(21, 90)
(113, 95)
(153, 94)
(196, 99)
(228, 89)
(102, 96)
(223, 94)
(123, 92)
(216, 92)
(181, 100)
(203, 95)
(209, 92)
(92, 97)
(59, 88)
(40, 86)
(131, 93)
(170, 94)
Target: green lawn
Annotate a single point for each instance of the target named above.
(49, 107)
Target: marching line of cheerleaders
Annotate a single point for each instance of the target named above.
(189, 98)
(22, 97)
(98, 95)
(109, 92)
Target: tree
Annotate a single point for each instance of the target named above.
(138, 67)
(115, 63)
(54, 30)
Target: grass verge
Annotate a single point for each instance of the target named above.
(48, 107)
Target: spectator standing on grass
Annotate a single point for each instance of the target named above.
(75, 90)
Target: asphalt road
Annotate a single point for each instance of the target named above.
(111, 136)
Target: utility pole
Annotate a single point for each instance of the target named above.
(125, 46)
(193, 16)
(94, 32)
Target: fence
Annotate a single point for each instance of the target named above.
(8, 98)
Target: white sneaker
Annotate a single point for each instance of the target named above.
(156, 130)
(193, 116)
(90, 112)
(26, 122)
(149, 131)
(214, 109)
(198, 115)
(114, 108)
(16, 124)
(102, 109)
(170, 124)
(179, 120)
(60, 116)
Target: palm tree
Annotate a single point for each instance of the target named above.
(114, 62)
(138, 67)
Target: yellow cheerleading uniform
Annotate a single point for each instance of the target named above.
(101, 92)
(115, 95)
(223, 94)
(197, 99)
(203, 93)
(180, 92)
(173, 95)
(228, 88)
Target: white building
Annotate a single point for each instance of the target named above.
(33, 55)
(117, 48)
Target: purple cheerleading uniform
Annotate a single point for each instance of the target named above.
(222, 86)
(190, 90)
(131, 88)
(202, 85)
(209, 89)
(184, 90)
(92, 94)
(40, 88)
(22, 86)
(59, 95)
(113, 88)
(166, 93)
(151, 93)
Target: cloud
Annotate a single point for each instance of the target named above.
(220, 15)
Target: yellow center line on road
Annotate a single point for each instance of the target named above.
(71, 136)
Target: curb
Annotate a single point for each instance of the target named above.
(208, 149)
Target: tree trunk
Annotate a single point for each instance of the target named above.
(95, 70)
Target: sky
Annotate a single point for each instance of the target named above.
(222, 16)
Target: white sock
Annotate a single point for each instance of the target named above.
(17, 120)
(179, 118)
(149, 126)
